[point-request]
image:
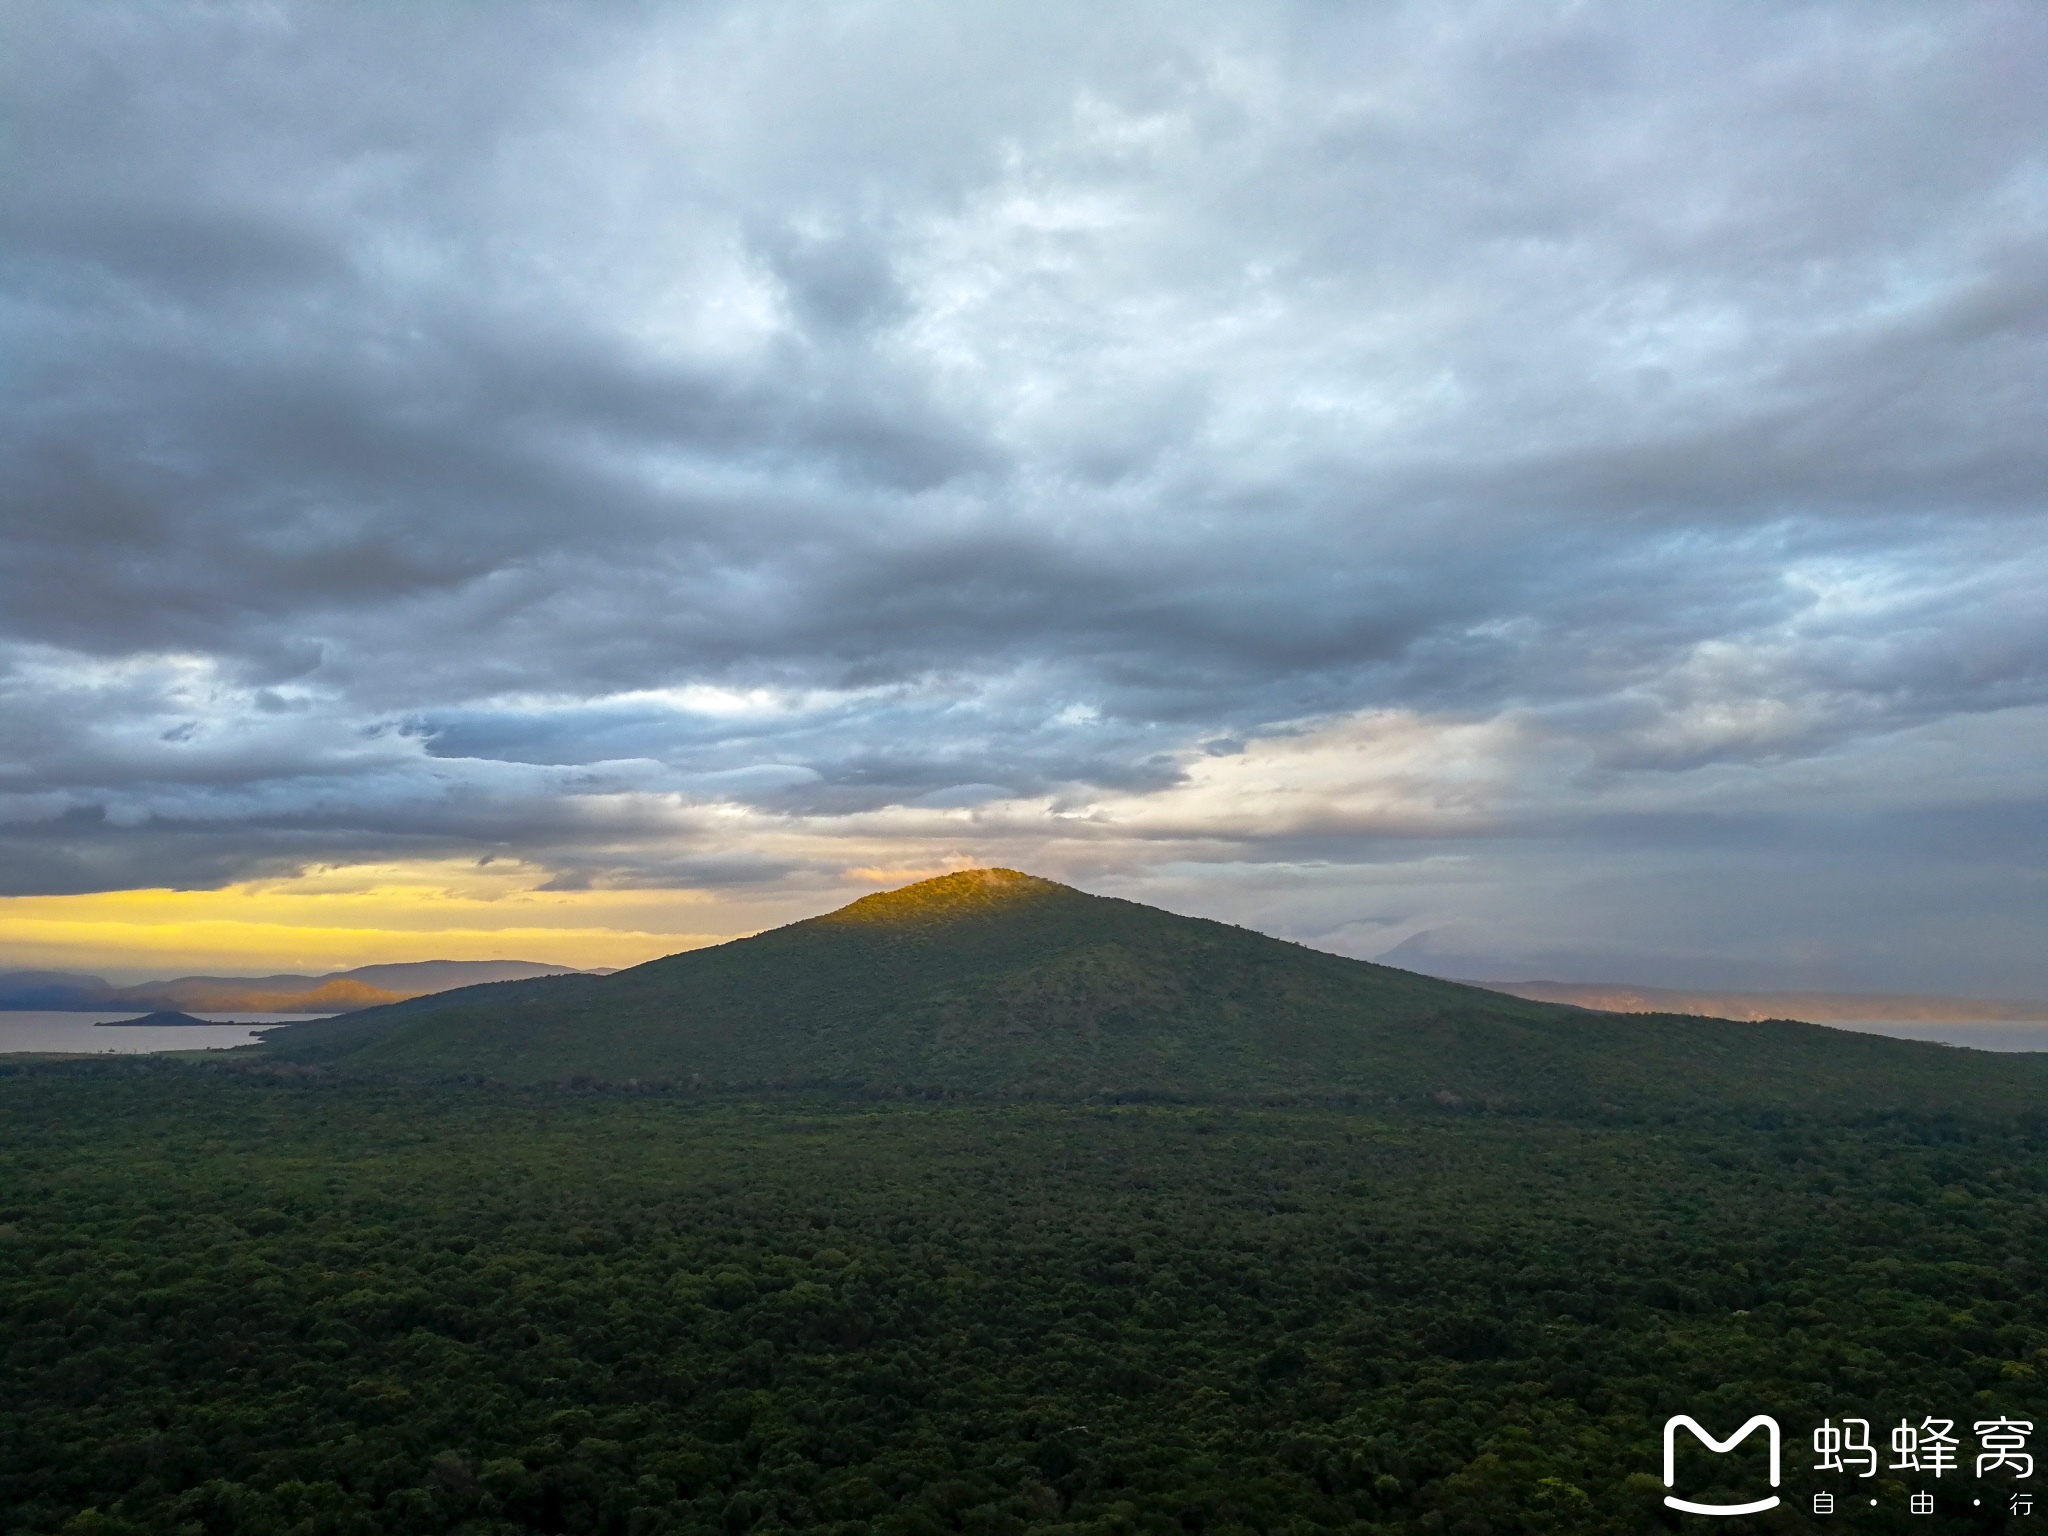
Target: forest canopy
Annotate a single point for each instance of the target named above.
(251, 1303)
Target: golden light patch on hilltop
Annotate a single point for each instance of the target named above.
(946, 895)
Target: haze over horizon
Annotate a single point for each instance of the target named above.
(1549, 488)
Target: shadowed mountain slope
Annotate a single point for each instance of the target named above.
(989, 981)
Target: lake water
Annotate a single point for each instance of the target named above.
(100, 1034)
(1980, 1034)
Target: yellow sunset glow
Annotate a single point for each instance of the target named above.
(335, 919)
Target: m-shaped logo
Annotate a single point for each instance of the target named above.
(1671, 1428)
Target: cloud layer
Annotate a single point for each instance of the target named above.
(1564, 480)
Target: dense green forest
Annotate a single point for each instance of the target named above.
(249, 1302)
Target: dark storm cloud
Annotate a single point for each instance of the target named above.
(527, 426)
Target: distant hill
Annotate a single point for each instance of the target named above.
(994, 982)
(338, 992)
(1814, 1007)
(55, 990)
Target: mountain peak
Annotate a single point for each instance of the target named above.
(993, 981)
(965, 892)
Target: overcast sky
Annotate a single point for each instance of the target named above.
(1558, 489)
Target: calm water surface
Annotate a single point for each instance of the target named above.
(101, 1034)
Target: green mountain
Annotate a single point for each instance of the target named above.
(991, 982)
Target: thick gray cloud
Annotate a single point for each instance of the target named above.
(1245, 456)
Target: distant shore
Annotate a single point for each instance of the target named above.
(1807, 1007)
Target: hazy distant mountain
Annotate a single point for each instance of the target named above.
(1814, 1007)
(337, 992)
(55, 990)
(271, 994)
(993, 982)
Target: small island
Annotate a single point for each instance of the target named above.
(165, 1018)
